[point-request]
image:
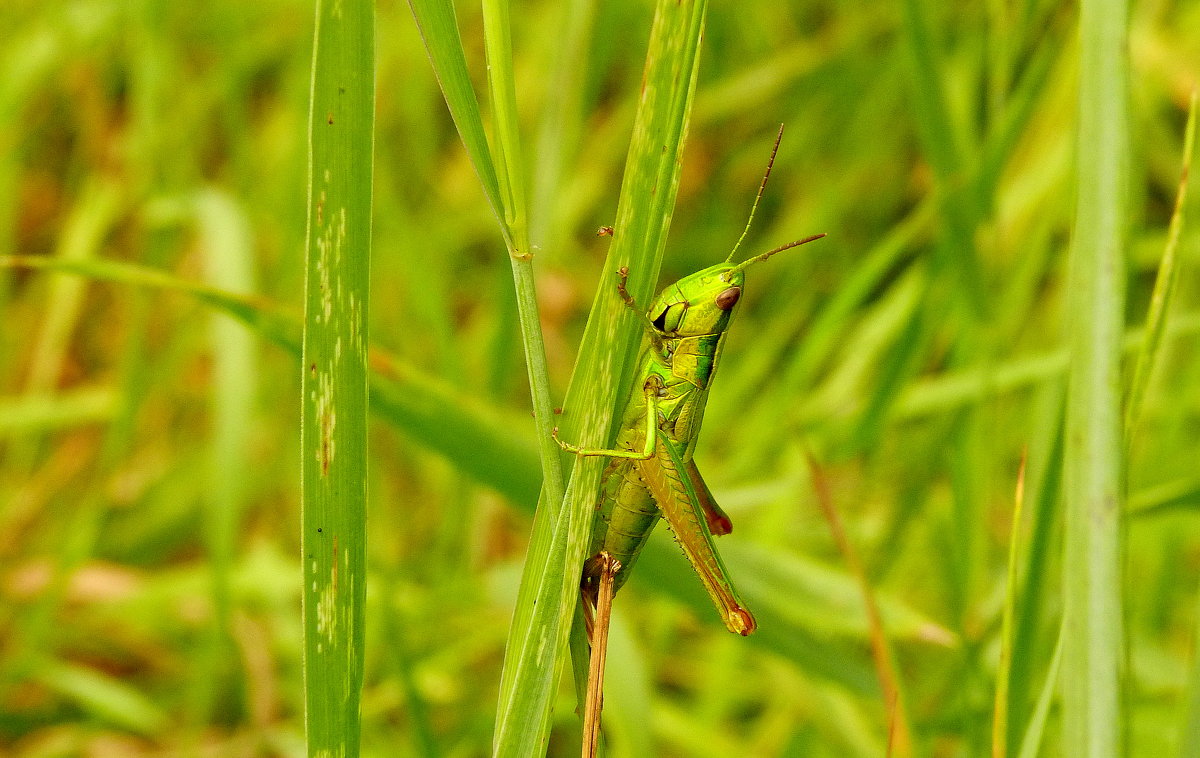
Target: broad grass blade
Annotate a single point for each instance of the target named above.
(334, 387)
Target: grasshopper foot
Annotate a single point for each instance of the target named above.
(566, 445)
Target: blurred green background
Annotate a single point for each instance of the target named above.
(149, 484)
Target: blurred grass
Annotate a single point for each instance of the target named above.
(918, 389)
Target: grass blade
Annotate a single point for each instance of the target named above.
(229, 255)
(1000, 715)
(510, 170)
(1093, 464)
(501, 172)
(334, 388)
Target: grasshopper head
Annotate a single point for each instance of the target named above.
(698, 304)
(702, 303)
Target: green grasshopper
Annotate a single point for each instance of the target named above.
(652, 473)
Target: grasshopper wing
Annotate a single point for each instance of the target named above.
(668, 481)
(719, 523)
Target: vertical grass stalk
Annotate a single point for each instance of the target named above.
(500, 169)
(1093, 467)
(334, 398)
(550, 583)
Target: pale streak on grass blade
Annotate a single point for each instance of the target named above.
(1093, 464)
(550, 584)
(1164, 289)
(334, 387)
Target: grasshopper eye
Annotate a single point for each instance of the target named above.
(670, 319)
(728, 297)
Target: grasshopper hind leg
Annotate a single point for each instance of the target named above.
(597, 628)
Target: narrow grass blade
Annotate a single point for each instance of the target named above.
(1093, 464)
(334, 388)
(1043, 496)
(103, 696)
(60, 410)
(1004, 669)
(900, 742)
(501, 171)
(443, 43)
(1031, 742)
(1164, 289)
(549, 586)
(510, 171)
(90, 220)
(506, 147)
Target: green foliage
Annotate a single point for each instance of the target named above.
(155, 159)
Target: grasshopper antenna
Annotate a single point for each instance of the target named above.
(761, 188)
(769, 253)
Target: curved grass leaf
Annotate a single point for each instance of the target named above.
(438, 417)
(439, 29)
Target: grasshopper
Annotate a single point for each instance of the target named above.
(651, 473)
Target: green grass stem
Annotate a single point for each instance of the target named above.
(549, 586)
(1094, 467)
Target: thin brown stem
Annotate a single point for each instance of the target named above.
(609, 567)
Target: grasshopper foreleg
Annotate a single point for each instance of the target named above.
(646, 453)
(647, 326)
